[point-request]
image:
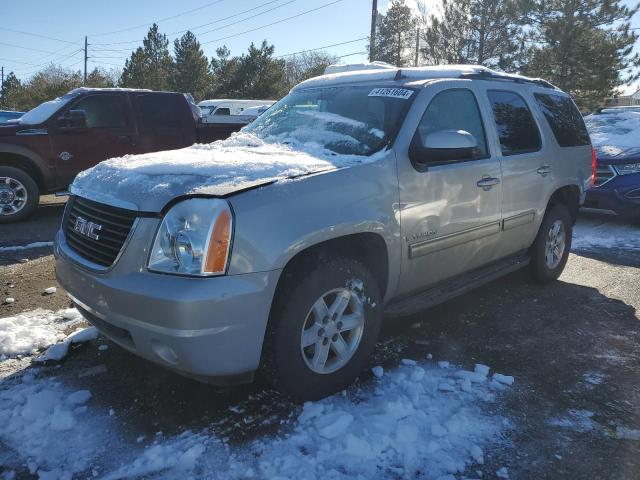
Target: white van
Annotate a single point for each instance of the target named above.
(213, 110)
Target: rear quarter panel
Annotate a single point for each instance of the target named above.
(275, 222)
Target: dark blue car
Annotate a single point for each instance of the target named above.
(615, 134)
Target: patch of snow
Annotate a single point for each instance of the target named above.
(409, 362)
(443, 364)
(16, 248)
(481, 369)
(614, 130)
(9, 300)
(238, 162)
(502, 473)
(589, 236)
(627, 433)
(378, 371)
(578, 420)
(58, 351)
(28, 332)
(50, 290)
(504, 379)
(593, 378)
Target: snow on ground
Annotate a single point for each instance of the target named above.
(588, 236)
(28, 332)
(16, 248)
(402, 425)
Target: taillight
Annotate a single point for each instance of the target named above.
(594, 166)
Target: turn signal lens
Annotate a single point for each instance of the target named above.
(218, 248)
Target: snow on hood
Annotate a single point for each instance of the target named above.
(147, 182)
(614, 131)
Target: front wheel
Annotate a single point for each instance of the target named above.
(19, 195)
(550, 249)
(323, 327)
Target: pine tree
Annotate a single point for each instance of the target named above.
(395, 35)
(223, 70)
(582, 46)
(99, 78)
(11, 96)
(482, 32)
(191, 67)
(151, 65)
(259, 75)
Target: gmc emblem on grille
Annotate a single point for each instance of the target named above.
(87, 228)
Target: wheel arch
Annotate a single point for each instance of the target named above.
(17, 158)
(568, 195)
(367, 247)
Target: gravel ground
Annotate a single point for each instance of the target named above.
(573, 347)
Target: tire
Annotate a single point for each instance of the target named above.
(14, 185)
(547, 263)
(287, 365)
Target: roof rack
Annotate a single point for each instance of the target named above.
(487, 75)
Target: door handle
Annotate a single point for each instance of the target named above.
(544, 170)
(487, 183)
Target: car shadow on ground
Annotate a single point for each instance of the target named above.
(549, 337)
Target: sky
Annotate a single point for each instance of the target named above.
(115, 27)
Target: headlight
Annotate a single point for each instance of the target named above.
(628, 168)
(194, 238)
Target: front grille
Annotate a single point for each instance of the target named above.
(115, 225)
(604, 173)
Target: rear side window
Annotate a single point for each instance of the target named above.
(160, 110)
(517, 130)
(454, 109)
(222, 111)
(564, 119)
(103, 111)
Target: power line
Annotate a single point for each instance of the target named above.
(39, 35)
(157, 21)
(213, 22)
(27, 48)
(273, 23)
(322, 48)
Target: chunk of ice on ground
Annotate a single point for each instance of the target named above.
(443, 364)
(50, 290)
(481, 369)
(628, 433)
(408, 361)
(504, 379)
(502, 473)
(477, 454)
(378, 371)
(333, 424)
(60, 350)
(9, 300)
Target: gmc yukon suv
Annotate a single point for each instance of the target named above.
(279, 249)
(43, 150)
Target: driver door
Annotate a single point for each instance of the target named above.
(450, 210)
(107, 134)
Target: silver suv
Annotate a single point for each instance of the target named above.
(359, 193)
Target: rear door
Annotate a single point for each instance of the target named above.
(109, 134)
(526, 160)
(164, 121)
(450, 213)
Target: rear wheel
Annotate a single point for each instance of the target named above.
(550, 249)
(19, 195)
(323, 327)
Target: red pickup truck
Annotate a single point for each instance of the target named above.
(44, 150)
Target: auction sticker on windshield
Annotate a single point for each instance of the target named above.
(391, 92)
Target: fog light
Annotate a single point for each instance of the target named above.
(165, 352)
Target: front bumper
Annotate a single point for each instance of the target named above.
(621, 194)
(211, 329)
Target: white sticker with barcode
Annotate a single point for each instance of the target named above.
(403, 93)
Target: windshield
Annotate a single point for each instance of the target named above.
(620, 129)
(42, 112)
(342, 120)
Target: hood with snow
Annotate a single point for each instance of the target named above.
(148, 182)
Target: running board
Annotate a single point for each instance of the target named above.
(456, 286)
(62, 194)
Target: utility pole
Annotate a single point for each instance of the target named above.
(2, 82)
(415, 60)
(372, 39)
(85, 60)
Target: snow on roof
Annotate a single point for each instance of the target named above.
(412, 73)
(350, 67)
(78, 90)
(628, 90)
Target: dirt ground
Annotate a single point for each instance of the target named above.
(573, 347)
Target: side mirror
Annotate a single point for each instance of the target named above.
(73, 120)
(443, 146)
